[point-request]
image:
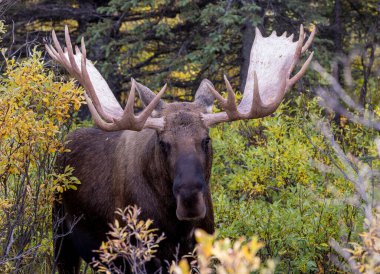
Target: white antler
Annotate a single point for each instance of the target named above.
(105, 109)
(272, 61)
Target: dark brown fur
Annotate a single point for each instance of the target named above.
(117, 169)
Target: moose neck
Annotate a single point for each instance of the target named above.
(156, 170)
(151, 189)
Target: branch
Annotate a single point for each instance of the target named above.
(331, 100)
(44, 12)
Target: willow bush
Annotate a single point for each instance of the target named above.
(35, 114)
(132, 242)
(280, 179)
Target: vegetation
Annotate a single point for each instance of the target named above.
(279, 178)
(298, 190)
(132, 241)
(238, 257)
(35, 114)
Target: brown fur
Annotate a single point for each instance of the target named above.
(117, 169)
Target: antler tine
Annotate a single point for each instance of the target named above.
(131, 98)
(302, 71)
(152, 105)
(298, 52)
(300, 49)
(229, 104)
(127, 120)
(70, 53)
(309, 40)
(51, 52)
(77, 51)
(256, 99)
(217, 95)
(99, 122)
(231, 107)
(231, 99)
(59, 52)
(132, 122)
(85, 80)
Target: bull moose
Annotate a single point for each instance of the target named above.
(159, 159)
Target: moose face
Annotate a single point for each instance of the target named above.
(186, 146)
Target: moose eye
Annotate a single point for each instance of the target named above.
(165, 147)
(205, 143)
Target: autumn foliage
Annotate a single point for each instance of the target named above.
(35, 113)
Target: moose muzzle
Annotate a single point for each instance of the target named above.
(188, 188)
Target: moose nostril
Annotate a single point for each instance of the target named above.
(199, 187)
(176, 189)
(189, 188)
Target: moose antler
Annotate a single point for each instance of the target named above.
(272, 60)
(105, 109)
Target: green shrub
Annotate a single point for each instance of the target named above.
(278, 178)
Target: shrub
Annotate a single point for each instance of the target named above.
(35, 112)
(224, 257)
(279, 178)
(365, 256)
(131, 243)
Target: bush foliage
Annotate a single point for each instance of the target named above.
(35, 114)
(131, 241)
(280, 179)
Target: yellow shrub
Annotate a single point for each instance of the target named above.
(365, 256)
(132, 242)
(225, 256)
(35, 112)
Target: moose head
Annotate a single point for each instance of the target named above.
(176, 148)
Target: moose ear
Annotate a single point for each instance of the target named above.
(204, 96)
(146, 96)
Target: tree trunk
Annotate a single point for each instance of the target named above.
(248, 31)
(337, 32)
(248, 35)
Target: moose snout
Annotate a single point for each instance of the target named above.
(188, 188)
(191, 207)
(190, 200)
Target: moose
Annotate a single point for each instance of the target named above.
(159, 159)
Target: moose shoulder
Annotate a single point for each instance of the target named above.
(160, 159)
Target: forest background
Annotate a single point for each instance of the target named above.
(302, 180)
